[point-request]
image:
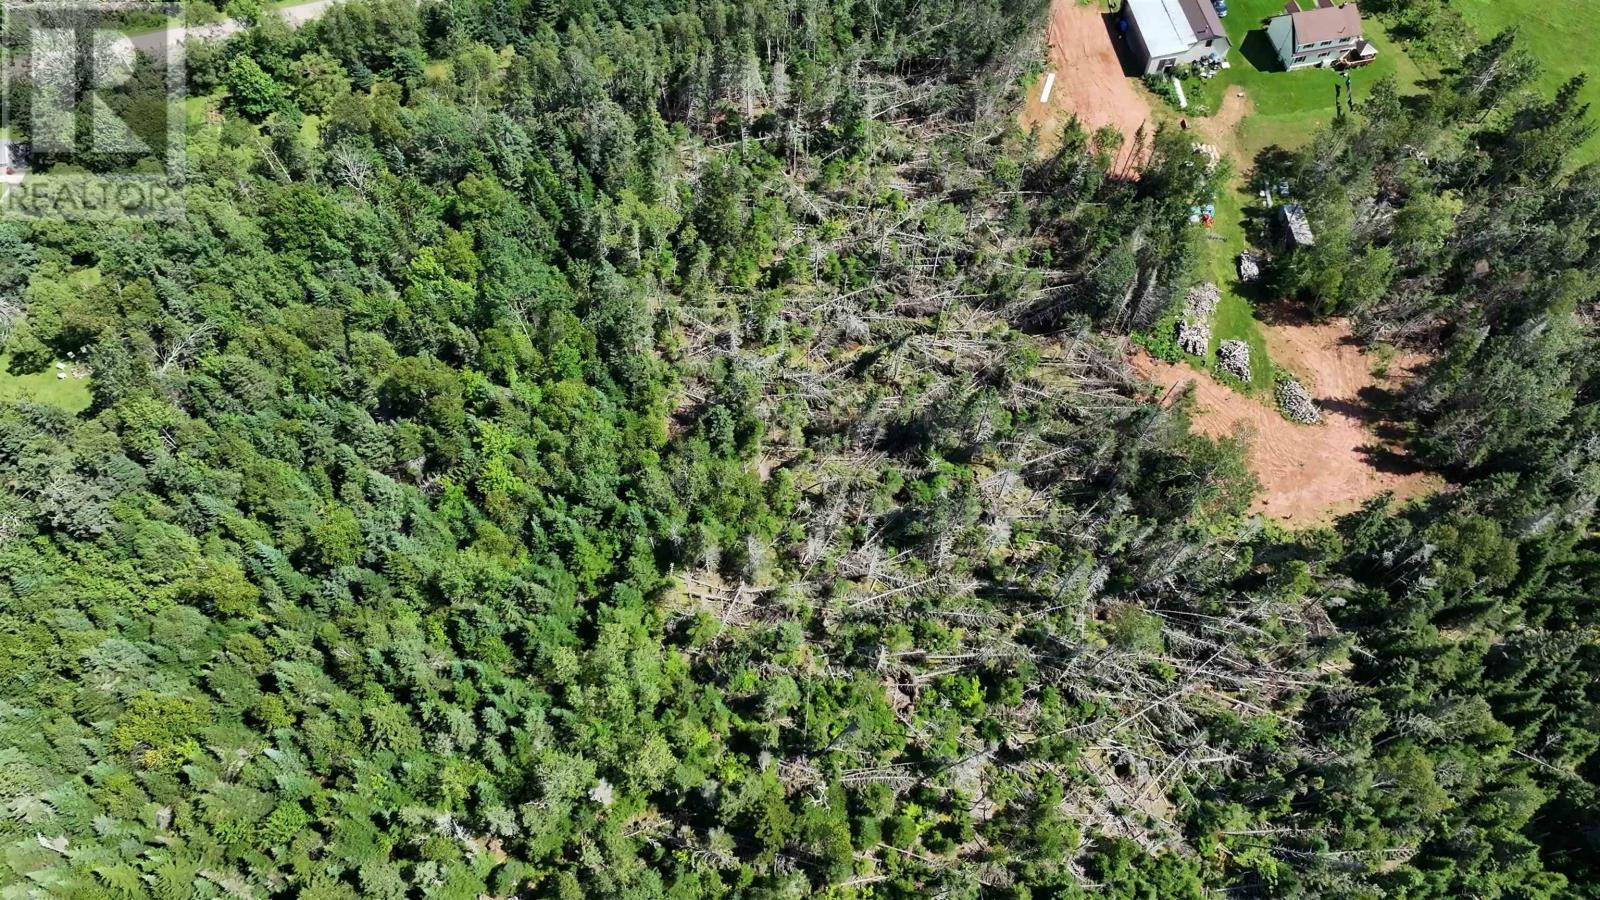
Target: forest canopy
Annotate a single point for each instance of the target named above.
(660, 448)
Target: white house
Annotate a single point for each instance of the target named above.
(1318, 37)
(1167, 33)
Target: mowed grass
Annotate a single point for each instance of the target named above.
(1235, 318)
(1291, 106)
(1287, 110)
(70, 394)
(1561, 35)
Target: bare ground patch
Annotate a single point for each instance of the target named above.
(1310, 474)
(1090, 81)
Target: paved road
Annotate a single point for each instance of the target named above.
(157, 43)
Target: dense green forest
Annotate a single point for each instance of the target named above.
(685, 448)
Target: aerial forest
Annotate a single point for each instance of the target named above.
(688, 449)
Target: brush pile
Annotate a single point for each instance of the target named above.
(1194, 327)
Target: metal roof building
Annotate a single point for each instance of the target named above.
(1166, 33)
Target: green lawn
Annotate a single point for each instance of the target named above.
(1559, 33)
(70, 394)
(1289, 106)
(1235, 318)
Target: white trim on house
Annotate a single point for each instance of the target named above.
(1295, 51)
(1161, 35)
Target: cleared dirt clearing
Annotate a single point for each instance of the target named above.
(1309, 473)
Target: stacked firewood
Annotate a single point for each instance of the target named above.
(1296, 403)
(1194, 327)
(1233, 357)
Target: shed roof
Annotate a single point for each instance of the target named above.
(1203, 19)
(1294, 217)
(1326, 23)
(1163, 24)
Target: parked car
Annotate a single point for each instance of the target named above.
(1222, 7)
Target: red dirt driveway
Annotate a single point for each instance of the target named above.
(1089, 78)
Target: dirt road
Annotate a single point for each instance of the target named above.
(1089, 78)
(1309, 473)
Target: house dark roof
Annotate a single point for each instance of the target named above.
(1203, 20)
(1325, 23)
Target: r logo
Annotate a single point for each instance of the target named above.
(70, 69)
(93, 126)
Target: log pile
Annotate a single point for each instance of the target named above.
(1249, 267)
(1233, 357)
(1194, 327)
(1296, 403)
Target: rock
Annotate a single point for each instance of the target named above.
(1233, 357)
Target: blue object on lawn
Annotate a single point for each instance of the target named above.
(1222, 7)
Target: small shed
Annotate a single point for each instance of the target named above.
(1296, 228)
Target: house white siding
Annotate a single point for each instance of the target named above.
(1161, 37)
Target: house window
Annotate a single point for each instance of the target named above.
(1299, 59)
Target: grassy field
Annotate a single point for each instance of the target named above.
(70, 394)
(1559, 33)
(1290, 106)
(1235, 318)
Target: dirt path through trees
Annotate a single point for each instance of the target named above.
(1089, 82)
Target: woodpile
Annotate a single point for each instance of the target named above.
(1233, 357)
(1296, 403)
(1194, 327)
(1249, 267)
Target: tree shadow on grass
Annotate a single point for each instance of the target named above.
(1284, 313)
